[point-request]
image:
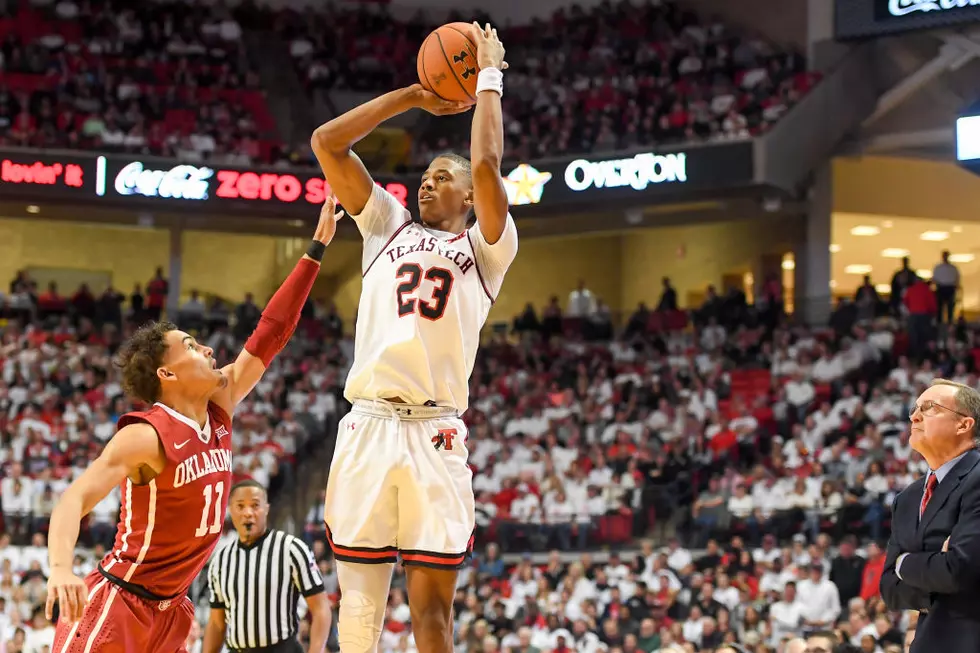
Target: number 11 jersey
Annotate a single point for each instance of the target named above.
(169, 526)
(425, 296)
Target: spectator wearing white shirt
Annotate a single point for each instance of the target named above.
(828, 368)
(17, 491)
(742, 508)
(559, 515)
(693, 627)
(677, 556)
(800, 393)
(581, 302)
(785, 616)
(821, 606)
(525, 518)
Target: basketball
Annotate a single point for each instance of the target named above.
(447, 63)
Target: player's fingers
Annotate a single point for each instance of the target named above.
(338, 215)
(504, 66)
(81, 599)
(49, 605)
(64, 605)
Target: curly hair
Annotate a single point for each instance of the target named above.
(139, 358)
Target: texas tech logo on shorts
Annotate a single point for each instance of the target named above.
(444, 439)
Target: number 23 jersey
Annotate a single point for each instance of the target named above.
(425, 296)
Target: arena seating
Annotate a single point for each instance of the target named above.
(169, 79)
(83, 77)
(761, 459)
(757, 457)
(625, 76)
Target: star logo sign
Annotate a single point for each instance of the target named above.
(525, 184)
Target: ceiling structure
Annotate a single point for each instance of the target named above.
(925, 80)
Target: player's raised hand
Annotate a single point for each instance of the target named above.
(329, 217)
(436, 105)
(489, 50)
(69, 591)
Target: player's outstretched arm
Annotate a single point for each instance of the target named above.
(133, 447)
(332, 141)
(280, 317)
(487, 137)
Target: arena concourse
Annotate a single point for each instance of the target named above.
(685, 477)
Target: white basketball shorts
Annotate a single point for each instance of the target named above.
(399, 485)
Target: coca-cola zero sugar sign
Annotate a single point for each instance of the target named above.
(181, 182)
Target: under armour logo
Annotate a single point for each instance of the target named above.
(350, 427)
(461, 59)
(408, 411)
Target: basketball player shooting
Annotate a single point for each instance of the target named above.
(399, 482)
(173, 465)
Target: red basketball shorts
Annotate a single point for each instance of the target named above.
(117, 621)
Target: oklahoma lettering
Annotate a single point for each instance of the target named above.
(432, 244)
(203, 464)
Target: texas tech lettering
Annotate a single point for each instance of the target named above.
(431, 244)
(203, 464)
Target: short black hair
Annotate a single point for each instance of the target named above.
(248, 482)
(459, 160)
(140, 357)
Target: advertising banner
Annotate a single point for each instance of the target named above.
(868, 18)
(145, 183)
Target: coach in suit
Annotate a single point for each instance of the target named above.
(933, 560)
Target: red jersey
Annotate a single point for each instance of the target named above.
(169, 526)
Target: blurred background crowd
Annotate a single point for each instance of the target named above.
(711, 469)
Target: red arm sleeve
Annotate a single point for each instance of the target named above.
(280, 317)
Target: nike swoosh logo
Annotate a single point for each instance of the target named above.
(181, 445)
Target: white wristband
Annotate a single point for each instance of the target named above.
(490, 79)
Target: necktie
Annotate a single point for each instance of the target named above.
(931, 484)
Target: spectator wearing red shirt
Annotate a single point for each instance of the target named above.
(921, 304)
(156, 295)
(50, 302)
(871, 577)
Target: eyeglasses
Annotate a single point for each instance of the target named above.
(927, 406)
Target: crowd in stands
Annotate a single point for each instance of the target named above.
(763, 455)
(174, 78)
(169, 79)
(769, 457)
(617, 75)
(60, 398)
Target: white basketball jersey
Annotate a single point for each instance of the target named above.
(425, 296)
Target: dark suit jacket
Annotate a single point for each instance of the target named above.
(943, 587)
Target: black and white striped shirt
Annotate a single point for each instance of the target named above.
(258, 587)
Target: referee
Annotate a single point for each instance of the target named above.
(254, 584)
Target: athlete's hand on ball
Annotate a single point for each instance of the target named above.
(69, 591)
(329, 217)
(435, 104)
(489, 49)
